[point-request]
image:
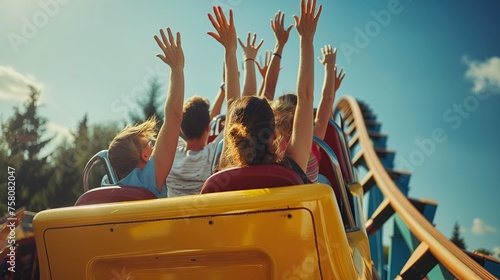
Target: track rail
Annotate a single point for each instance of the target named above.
(431, 240)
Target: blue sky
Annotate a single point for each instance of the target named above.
(430, 70)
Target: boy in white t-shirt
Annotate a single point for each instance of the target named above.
(193, 157)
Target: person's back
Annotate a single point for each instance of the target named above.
(193, 157)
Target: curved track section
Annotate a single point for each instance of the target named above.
(430, 249)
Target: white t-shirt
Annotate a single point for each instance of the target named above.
(191, 168)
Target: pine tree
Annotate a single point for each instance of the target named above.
(101, 136)
(456, 238)
(24, 133)
(149, 107)
(71, 158)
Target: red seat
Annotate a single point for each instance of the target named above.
(332, 138)
(330, 168)
(113, 194)
(251, 177)
(326, 168)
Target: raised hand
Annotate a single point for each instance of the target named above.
(226, 35)
(277, 25)
(329, 57)
(226, 32)
(273, 67)
(249, 53)
(306, 24)
(339, 77)
(263, 67)
(328, 60)
(250, 50)
(172, 49)
(328, 93)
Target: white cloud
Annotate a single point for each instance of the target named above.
(14, 85)
(496, 251)
(479, 227)
(485, 75)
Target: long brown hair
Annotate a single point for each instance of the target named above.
(248, 138)
(284, 112)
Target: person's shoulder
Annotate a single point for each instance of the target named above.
(132, 179)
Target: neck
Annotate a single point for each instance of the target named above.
(196, 144)
(141, 164)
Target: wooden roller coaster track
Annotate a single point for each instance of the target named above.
(433, 245)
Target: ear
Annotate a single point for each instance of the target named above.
(145, 156)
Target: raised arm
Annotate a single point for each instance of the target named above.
(299, 146)
(338, 80)
(263, 69)
(219, 99)
(226, 35)
(265, 65)
(328, 93)
(166, 143)
(281, 34)
(249, 54)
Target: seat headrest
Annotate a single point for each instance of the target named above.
(333, 139)
(251, 177)
(114, 194)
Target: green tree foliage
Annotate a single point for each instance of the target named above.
(47, 181)
(149, 105)
(3, 173)
(24, 138)
(456, 237)
(101, 136)
(71, 158)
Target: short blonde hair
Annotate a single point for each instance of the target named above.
(124, 151)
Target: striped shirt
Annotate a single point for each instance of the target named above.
(190, 168)
(313, 164)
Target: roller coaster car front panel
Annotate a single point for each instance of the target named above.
(280, 233)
